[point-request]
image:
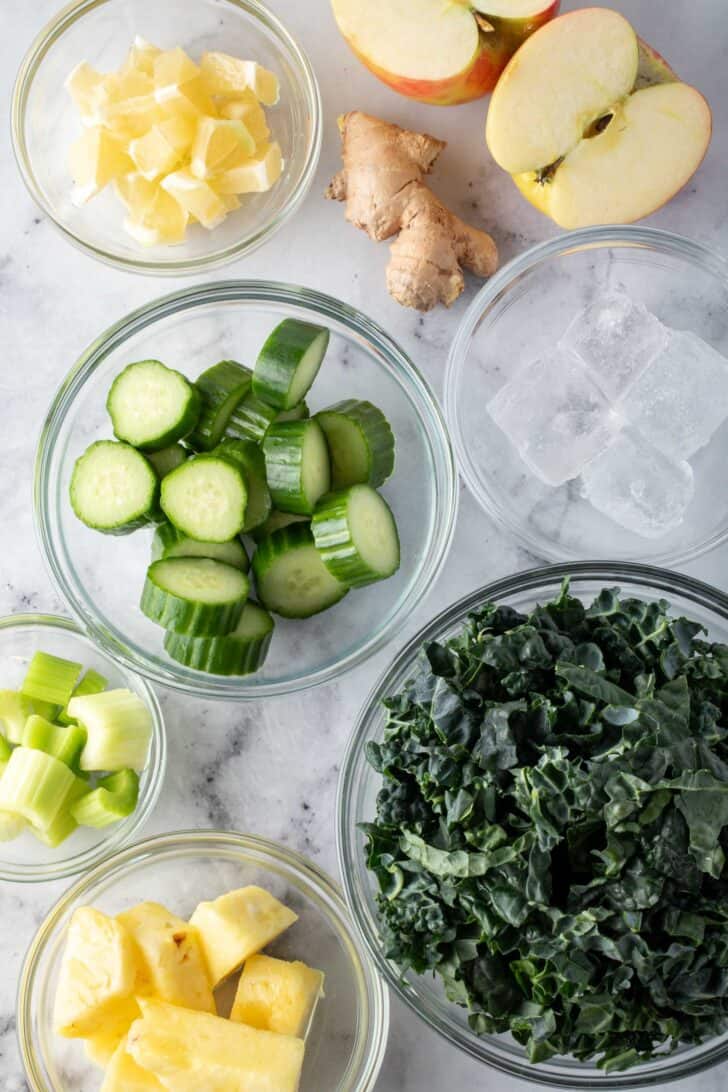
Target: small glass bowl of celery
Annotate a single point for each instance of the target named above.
(45, 663)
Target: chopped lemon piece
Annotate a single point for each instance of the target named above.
(85, 86)
(226, 75)
(196, 197)
(141, 56)
(178, 84)
(96, 158)
(252, 115)
(134, 191)
(162, 147)
(162, 220)
(218, 144)
(129, 119)
(230, 201)
(255, 175)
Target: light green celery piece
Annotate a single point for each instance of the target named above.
(91, 683)
(64, 742)
(113, 799)
(11, 826)
(5, 751)
(50, 678)
(39, 734)
(64, 824)
(118, 725)
(15, 709)
(35, 785)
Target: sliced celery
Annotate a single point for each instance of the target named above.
(91, 683)
(119, 730)
(39, 734)
(113, 799)
(35, 785)
(63, 742)
(5, 750)
(64, 823)
(69, 745)
(11, 825)
(50, 678)
(15, 708)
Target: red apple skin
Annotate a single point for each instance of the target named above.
(494, 52)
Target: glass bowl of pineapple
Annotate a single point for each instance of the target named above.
(224, 897)
(131, 101)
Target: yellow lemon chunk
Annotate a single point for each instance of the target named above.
(255, 175)
(85, 86)
(276, 995)
(226, 75)
(218, 143)
(252, 115)
(141, 56)
(124, 1075)
(134, 191)
(162, 147)
(162, 221)
(178, 84)
(196, 196)
(96, 158)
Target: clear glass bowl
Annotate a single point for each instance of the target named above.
(45, 123)
(521, 312)
(359, 784)
(101, 576)
(348, 1037)
(26, 860)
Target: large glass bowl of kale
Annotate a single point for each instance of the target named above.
(533, 825)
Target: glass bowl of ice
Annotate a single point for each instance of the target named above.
(587, 396)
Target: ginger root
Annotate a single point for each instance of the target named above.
(382, 185)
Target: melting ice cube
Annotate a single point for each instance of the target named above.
(555, 414)
(638, 486)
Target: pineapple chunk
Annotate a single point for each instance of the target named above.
(96, 158)
(228, 76)
(251, 113)
(124, 1075)
(101, 1047)
(195, 1052)
(276, 995)
(196, 197)
(217, 144)
(99, 973)
(254, 175)
(236, 926)
(171, 956)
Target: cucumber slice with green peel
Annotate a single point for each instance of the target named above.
(114, 798)
(15, 709)
(151, 406)
(50, 678)
(205, 498)
(360, 441)
(91, 683)
(289, 362)
(356, 536)
(169, 542)
(275, 521)
(118, 728)
(290, 577)
(249, 459)
(296, 413)
(241, 652)
(296, 465)
(114, 489)
(250, 420)
(35, 785)
(194, 595)
(167, 459)
(221, 387)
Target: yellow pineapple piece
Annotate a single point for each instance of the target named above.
(85, 86)
(124, 1075)
(276, 995)
(236, 926)
(251, 113)
(99, 973)
(96, 158)
(171, 956)
(254, 175)
(162, 147)
(178, 84)
(196, 1052)
(228, 76)
(100, 1048)
(141, 56)
(196, 196)
(219, 143)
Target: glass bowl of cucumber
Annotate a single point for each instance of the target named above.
(347, 1032)
(346, 508)
(56, 774)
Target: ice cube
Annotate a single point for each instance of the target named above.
(554, 413)
(638, 486)
(682, 398)
(616, 338)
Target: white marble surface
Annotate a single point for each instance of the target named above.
(271, 768)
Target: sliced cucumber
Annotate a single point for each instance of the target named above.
(289, 362)
(361, 443)
(250, 420)
(241, 652)
(205, 498)
(248, 458)
(113, 488)
(194, 595)
(151, 406)
(169, 542)
(297, 413)
(296, 465)
(275, 521)
(290, 576)
(221, 387)
(356, 536)
(167, 459)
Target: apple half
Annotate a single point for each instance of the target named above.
(593, 124)
(439, 51)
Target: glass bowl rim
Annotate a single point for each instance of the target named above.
(150, 789)
(353, 766)
(411, 380)
(617, 235)
(369, 984)
(29, 66)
